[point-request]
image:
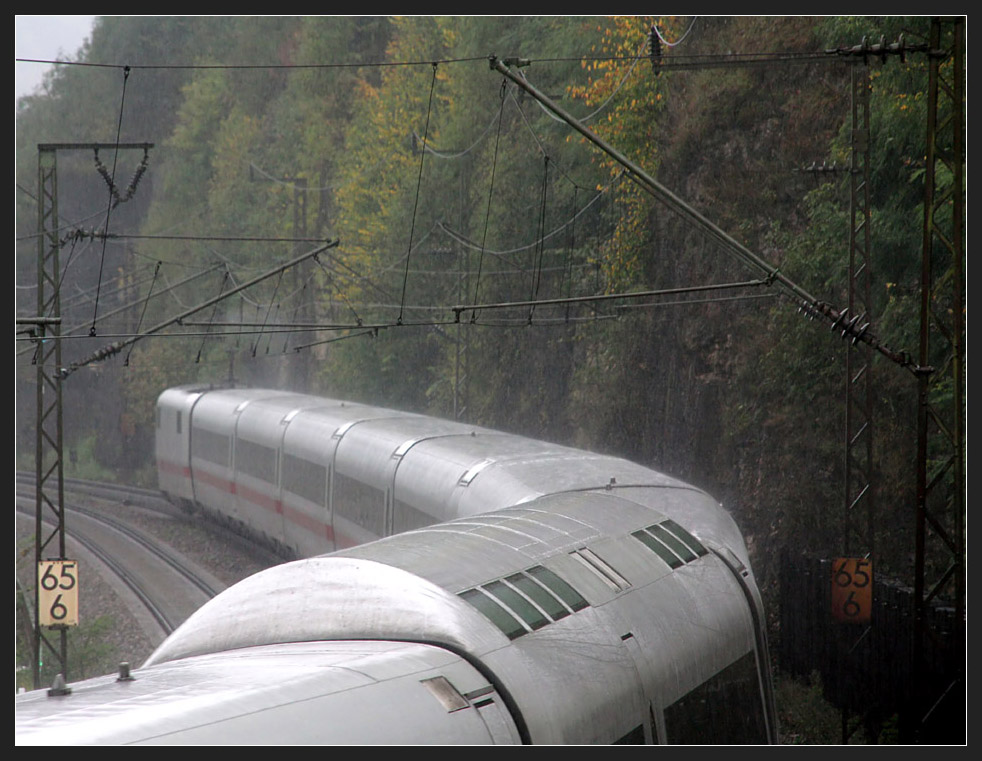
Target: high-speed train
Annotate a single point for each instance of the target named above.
(486, 588)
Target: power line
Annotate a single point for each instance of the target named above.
(111, 182)
(810, 304)
(608, 296)
(239, 66)
(112, 349)
(199, 238)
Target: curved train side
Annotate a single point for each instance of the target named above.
(486, 589)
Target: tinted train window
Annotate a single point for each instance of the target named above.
(673, 542)
(686, 537)
(407, 517)
(497, 615)
(658, 548)
(539, 595)
(520, 605)
(563, 590)
(634, 737)
(305, 478)
(359, 503)
(256, 460)
(725, 709)
(211, 446)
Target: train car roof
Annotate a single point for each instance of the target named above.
(328, 598)
(294, 693)
(406, 586)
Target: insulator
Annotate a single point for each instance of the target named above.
(654, 50)
(849, 326)
(860, 334)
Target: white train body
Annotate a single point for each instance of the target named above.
(522, 593)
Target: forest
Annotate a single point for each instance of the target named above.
(476, 232)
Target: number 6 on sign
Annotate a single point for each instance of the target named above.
(852, 589)
(58, 592)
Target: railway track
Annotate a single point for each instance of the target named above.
(162, 565)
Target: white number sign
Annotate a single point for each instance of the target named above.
(58, 592)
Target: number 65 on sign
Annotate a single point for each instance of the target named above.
(58, 592)
(852, 589)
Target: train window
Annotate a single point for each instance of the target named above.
(634, 737)
(539, 595)
(256, 460)
(305, 478)
(178, 421)
(494, 612)
(658, 548)
(213, 447)
(673, 542)
(406, 518)
(559, 587)
(686, 537)
(517, 603)
(725, 709)
(360, 503)
(593, 561)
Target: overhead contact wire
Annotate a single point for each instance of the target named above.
(268, 309)
(567, 275)
(419, 182)
(537, 280)
(221, 290)
(146, 302)
(119, 127)
(487, 211)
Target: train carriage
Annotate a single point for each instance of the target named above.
(552, 622)
(173, 446)
(524, 592)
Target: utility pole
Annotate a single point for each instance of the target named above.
(49, 543)
(859, 503)
(940, 513)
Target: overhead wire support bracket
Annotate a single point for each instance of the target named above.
(881, 50)
(115, 348)
(652, 186)
(560, 301)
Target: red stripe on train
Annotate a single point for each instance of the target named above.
(297, 517)
(173, 469)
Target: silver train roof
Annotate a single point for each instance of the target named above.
(405, 587)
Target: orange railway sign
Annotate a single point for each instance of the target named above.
(852, 590)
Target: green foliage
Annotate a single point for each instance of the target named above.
(90, 654)
(803, 715)
(742, 397)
